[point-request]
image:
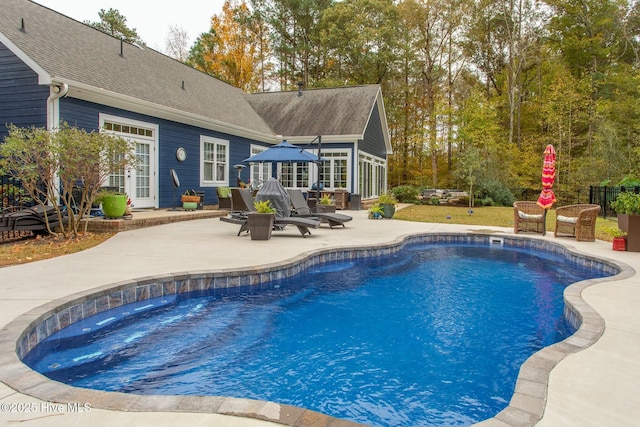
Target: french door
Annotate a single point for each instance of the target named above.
(138, 182)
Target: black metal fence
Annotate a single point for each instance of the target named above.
(603, 196)
(12, 196)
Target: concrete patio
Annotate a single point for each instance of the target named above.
(595, 387)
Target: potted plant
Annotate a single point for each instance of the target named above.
(325, 205)
(190, 200)
(387, 202)
(627, 206)
(619, 238)
(375, 211)
(261, 221)
(114, 203)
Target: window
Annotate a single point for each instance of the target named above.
(335, 169)
(260, 172)
(214, 154)
(294, 175)
(372, 175)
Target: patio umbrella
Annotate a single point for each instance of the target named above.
(283, 153)
(547, 198)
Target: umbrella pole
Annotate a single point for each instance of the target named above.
(319, 164)
(544, 223)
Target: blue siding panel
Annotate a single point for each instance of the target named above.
(373, 142)
(171, 135)
(22, 101)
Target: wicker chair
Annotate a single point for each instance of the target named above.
(578, 221)
(528, 216)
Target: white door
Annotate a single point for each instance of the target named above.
(140, 183)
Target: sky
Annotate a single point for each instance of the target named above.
(151, 19)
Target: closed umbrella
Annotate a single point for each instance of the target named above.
(547, 198)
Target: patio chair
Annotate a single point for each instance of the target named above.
(577, 220)
(240, 218)
(302, 209)
(225, 201)
(528, 217)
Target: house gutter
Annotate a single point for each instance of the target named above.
(56, 91)
(99, 95)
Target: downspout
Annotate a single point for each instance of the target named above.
(53, 105)
(53, 115)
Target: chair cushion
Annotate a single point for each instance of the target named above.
(568, 219)
(224, 192)
(529, 216)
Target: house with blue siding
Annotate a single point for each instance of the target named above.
(54, 69)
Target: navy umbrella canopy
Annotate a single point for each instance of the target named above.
(283, 153)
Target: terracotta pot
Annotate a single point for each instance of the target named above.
(189, 199)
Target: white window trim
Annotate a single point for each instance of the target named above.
(375, 162)
(264, 167)
(348, 158)
(212, 140)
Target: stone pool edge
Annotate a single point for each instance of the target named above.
(525, 408)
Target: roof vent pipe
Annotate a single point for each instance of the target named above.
(122, 48)
(183, 85)
(300, 84)
(22, 25)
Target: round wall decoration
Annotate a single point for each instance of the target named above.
(181, 154)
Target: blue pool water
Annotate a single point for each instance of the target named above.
(434, 335)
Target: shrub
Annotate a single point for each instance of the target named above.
(406, 193)
(627, 203)
(498, 193)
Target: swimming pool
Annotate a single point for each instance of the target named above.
(454, 336)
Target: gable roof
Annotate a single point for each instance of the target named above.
(100, 68)
(63, 50)
(333, 111)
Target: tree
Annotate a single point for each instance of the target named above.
(295, 38)
(230, 50)
(114, 23)
(176, 43)
(361, 38)
(51, 164)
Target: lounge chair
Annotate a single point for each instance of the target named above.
(240, 218)
(5, 219)
(528, 216)
(302, 209)
(33, 219)
(577, 220)
(238, 200)
(225, 200)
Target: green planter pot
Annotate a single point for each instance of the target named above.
(114, 206)
(189, 206)
(388, 210)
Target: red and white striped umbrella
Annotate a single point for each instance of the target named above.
(547, 198)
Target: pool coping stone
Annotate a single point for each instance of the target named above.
(525, 408)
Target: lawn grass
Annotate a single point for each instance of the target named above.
(487, 215)
(39, 248)
(35, 249)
